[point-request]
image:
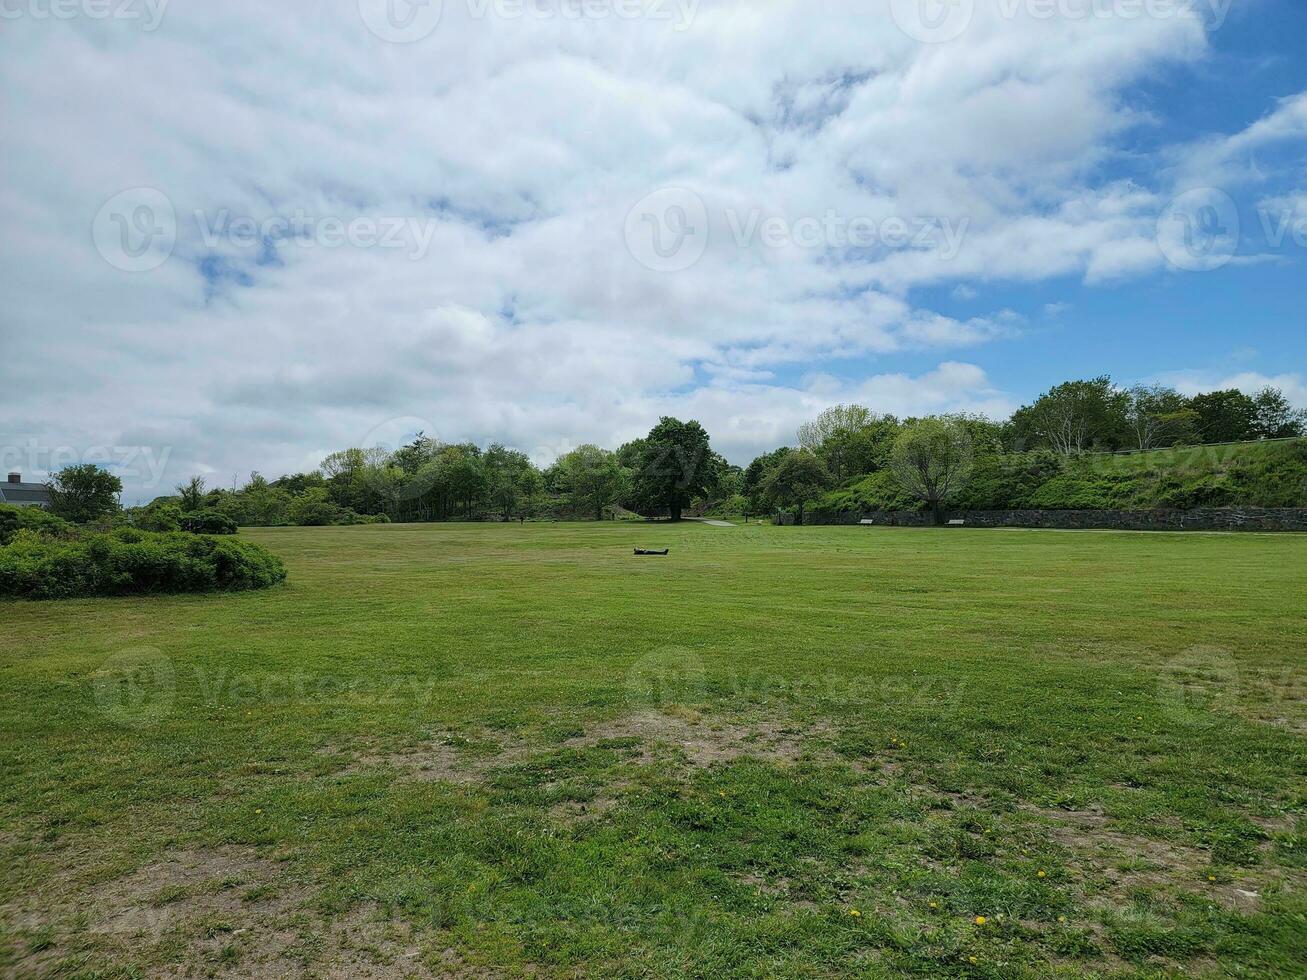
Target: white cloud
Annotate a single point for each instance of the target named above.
(1194, 382)
(521, 146)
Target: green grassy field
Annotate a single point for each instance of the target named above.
(504, 750)
(1185, 459)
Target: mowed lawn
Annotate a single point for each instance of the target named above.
(512, 750)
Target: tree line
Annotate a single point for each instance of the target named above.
(674, 469)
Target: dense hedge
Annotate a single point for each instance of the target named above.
(14, 519)
(208, 522)
(1272, 474)
(131, 562)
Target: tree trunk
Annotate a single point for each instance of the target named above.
(800, 515)
(939, 513)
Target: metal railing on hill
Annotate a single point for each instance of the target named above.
(1193, 447)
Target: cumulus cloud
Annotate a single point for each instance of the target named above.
(1194, 382)
(366, 230)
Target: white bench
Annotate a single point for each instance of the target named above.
(866, 522)
(957, 523)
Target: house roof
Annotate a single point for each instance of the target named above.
(24, 493)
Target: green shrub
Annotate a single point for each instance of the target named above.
(1276, 477)
(348, 517)
(314, 510)
(14, 519)
(1246, 475)
(157, 516)
(132, 562)
(877, 491)
(208, 522)
(1007, 481)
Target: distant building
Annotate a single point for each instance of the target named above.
(15, 491)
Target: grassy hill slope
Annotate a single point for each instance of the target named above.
(1252, 474)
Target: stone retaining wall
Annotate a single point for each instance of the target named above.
(1202, 519)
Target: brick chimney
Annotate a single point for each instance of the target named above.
(15, 478)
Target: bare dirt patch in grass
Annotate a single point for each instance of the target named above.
(780, 889)
(1125, 863)
(472, 759)
(688, 736)
(216, 911)
(220, 884)
(706, 741)
(452, 758)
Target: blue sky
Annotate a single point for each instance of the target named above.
(238, 237)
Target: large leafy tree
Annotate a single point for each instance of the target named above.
(795, 480)
(353, 478)
(1072, 417)
(1275, 417)
(1159, 416)
(755, 475)
(673, 464)
(850, 439)
(412, 457)
(591, 478)
(511, 480)
(461, 479)
(932, 460)
(1225, 416)
(84, 493)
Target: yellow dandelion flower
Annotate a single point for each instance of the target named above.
(934, 905)
(855, 913)
(1042, 875)
(971, 959)
(981, 920)
(1061, 918)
